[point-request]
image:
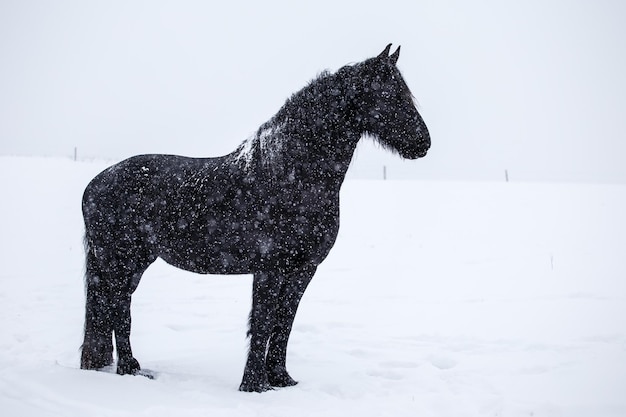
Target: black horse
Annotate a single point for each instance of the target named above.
(270, 208)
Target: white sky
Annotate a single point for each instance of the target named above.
(535, 87)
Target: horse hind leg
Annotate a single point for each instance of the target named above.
(110, 282)
(126, 363)
(97, 348)
(131, 273)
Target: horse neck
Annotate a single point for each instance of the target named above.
(298, 152)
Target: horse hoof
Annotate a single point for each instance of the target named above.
(95, 365)
(281, 381)
(94, 359)
(255, 387)
(128, 367)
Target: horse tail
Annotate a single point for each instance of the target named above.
(97, 347)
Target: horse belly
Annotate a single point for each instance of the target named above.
(209, 257)
(247, 254)
(219, 242)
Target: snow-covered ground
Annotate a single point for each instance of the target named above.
(439, 299)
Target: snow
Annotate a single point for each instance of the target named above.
(247, 149)
(439, 299)
(266, 141)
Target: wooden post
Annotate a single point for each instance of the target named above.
(75, 153)
(384, 172)
(506, 175)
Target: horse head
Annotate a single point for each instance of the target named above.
(388, 111)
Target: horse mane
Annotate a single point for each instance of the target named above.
(268, 142)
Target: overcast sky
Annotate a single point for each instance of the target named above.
(535, 87)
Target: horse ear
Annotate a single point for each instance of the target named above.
(394, 57)
(384, 54)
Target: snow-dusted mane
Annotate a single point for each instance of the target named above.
(301, 115)
(268, 142)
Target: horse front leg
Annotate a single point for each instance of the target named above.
(266, 288)
(276, 359)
